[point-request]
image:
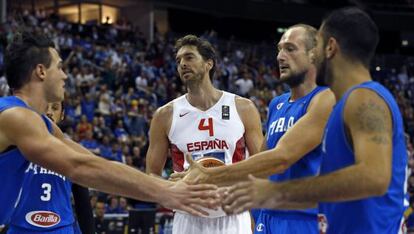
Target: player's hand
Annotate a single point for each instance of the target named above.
(196, 173)
(192, 198)
(255, 193)
(176, 176)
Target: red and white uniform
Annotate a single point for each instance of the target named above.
(217, 132)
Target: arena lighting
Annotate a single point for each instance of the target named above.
(404, 42)
(378, 68)
(89, 12)
(281, 30)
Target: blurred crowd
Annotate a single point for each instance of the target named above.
(117, 78)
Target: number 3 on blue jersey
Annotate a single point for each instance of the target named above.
(46, 192)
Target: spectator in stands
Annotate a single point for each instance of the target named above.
(105, 149)
(100, 223)
(83, 127)
(90, 143)
(244, 84)
(123, 205)
(113, 207)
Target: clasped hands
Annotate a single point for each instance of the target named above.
(235, 199)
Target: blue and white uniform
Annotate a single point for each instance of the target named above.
(12, 166)
(380, 214)
(283, 114)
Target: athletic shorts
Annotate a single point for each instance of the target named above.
(271, 223)
(233, 224)
(61, 230)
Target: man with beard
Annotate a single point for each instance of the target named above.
(362, 186)
(212, 125)
(294, 133)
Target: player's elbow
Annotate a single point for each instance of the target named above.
(379, 185)
(79, 170)
(283, 160)
(283, 163)
(75, 174)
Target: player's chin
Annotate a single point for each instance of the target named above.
(283, 78)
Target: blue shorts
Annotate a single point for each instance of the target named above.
(255, 214)
(286, 223)
(61, 230)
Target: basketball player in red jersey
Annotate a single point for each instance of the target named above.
(214, 126)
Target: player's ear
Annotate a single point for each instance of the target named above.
(40, 71)
(331, 48)
(312, 56)
(209, 64)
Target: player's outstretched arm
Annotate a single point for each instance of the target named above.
(255, 193)
(26, 130)
(302, 138)
(369, 125)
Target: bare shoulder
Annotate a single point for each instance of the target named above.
(17, 121)
(324, 99)
(362, 97)
(18, 117)
(248, 113)
(163, 117)
(366, 111)
(244, 105)
(164, 111)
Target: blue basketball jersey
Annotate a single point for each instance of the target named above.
(45, 201)
(381, 214)
(12, 167)
(283, 114)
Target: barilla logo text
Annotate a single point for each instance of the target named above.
(42, 219)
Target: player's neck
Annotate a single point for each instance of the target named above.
(302, 90)
(347, 75)
(33, 99)
(203, 96)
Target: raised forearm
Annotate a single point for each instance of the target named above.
(114, 177)
(333, 187)
(261, 165)
(124, 171)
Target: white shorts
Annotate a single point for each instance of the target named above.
(233, 224)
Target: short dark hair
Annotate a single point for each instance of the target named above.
(27, 50)
(355, 31)
(310, 37)
(204, 47)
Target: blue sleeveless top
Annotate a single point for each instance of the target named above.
(12, 166)
(45, 201)
(375, 214)
(283, 114)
